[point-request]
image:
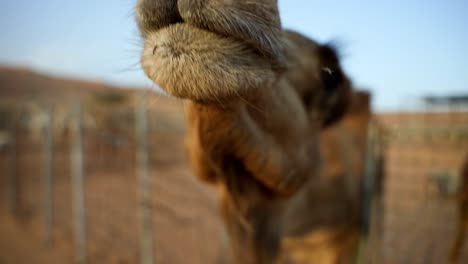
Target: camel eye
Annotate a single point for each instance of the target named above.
(331, 79)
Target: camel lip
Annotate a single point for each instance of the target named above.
(191, 63)
(278, 64)
(213, 32)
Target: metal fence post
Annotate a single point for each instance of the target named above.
(47, 176)
(78, 187)
(12, 185)
(144, 188)
(367, 196)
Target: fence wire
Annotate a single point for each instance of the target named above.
(413, 217)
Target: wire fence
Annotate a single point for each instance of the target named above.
(424, 155)
(92, 189)
(111, 185)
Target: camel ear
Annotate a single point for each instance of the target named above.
(336, 92)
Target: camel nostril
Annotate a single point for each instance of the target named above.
(152, 15)
(154, 49)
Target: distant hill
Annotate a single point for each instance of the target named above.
(24, 84)
(20, 84)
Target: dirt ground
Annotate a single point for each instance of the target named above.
(186, 225)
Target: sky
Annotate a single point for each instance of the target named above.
(400, 50)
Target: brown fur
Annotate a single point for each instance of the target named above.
(253, 126)
(332, 238)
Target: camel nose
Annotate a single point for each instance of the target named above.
(152, 15)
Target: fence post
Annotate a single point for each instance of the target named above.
(12, 185)
(47, 176)
(78, 186)
(144, 188)
(367, 195)
(369, 175)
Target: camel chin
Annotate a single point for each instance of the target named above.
(192, 63)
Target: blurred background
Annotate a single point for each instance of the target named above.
(75, 107)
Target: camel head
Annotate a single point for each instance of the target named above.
(206, 50)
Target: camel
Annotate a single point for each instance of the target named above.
(256, 99)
